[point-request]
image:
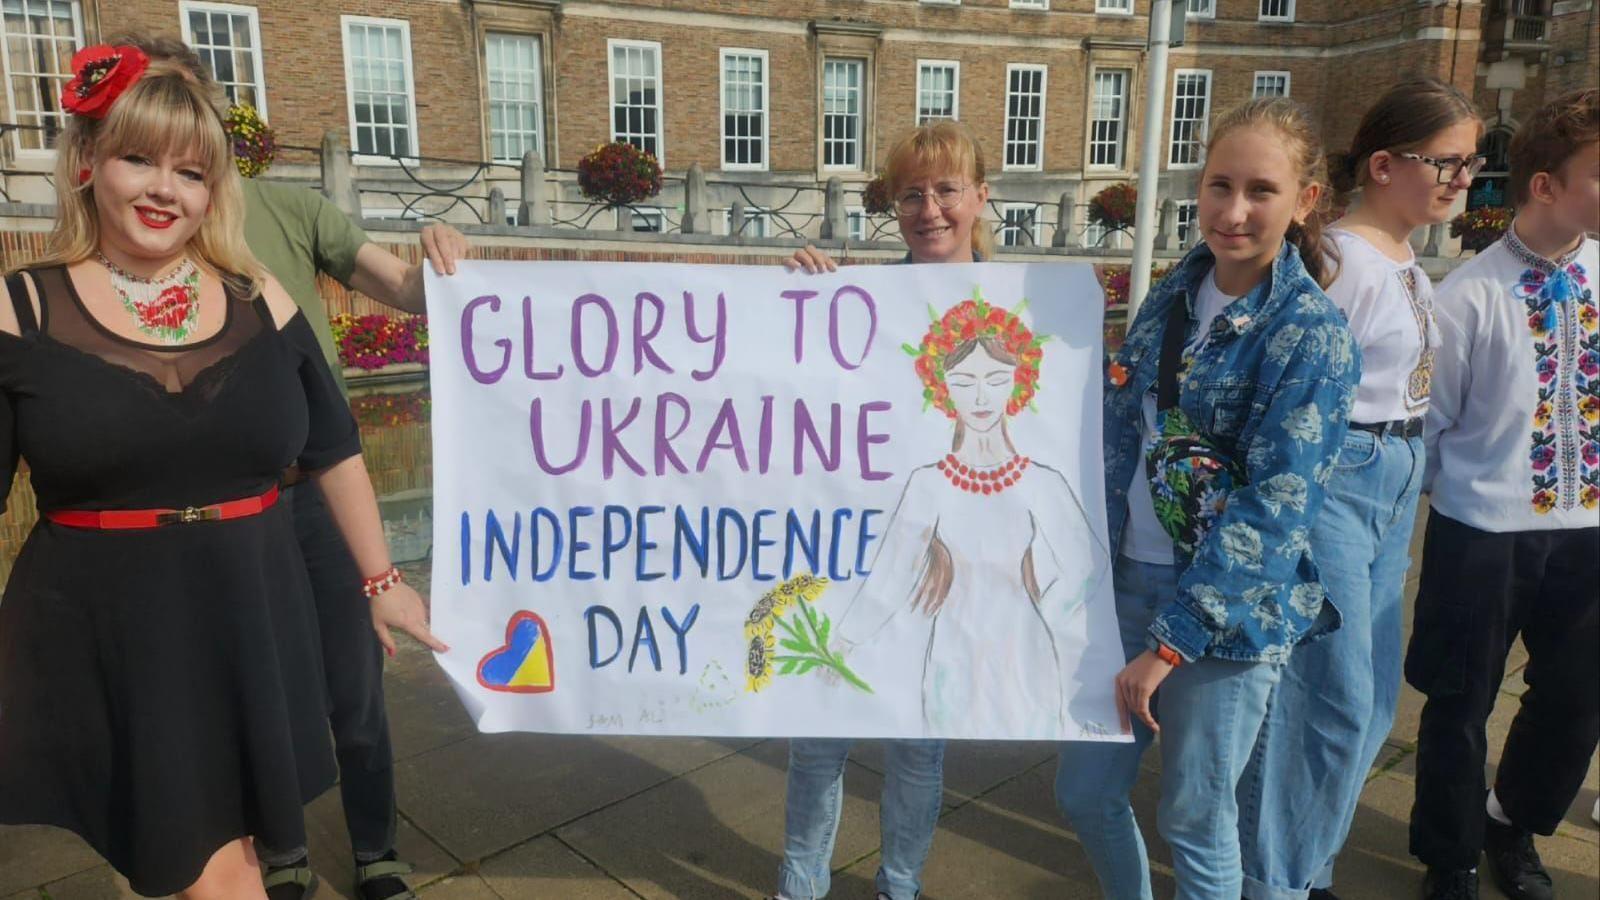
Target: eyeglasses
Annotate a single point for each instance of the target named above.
(1451, 167)
(947, 196)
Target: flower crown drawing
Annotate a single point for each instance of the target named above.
(971, 320)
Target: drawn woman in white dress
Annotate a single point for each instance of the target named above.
(991, 548)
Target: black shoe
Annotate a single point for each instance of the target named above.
(1450, 884)
(1514, 863)
(1322, 894)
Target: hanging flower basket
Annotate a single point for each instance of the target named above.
(1114, 206)
(254, 143)
(1478, 228)
(619, 174)
(875, 199)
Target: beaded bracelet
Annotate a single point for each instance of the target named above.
(377, 584)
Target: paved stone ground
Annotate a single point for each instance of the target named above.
(535, 816)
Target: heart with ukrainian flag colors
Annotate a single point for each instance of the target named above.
(525, 663)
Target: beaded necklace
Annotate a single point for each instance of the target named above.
(983, 481)
(166, 307)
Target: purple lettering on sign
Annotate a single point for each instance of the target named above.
(718, 338)
(799, 298)
(764, 436)
(470, 359)
(664, 451)
(806, 430)
(578, 356)
(536, 431)
(727, 420)
(611, 444)
(865, 438)
(527, 347)
(833, 325)
(642, 338)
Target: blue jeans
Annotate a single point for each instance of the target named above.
(1211, 712)
(908, 813)
(1093, 780)
(1336, 703)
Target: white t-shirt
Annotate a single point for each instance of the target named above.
(1514, 431)
(1143, 538)
(1390, 308)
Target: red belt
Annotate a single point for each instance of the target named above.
(118, 519)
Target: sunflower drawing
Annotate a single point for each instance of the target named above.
(785, 618)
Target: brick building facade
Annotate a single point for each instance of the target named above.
(800, 92)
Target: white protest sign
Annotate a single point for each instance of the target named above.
(721, 500)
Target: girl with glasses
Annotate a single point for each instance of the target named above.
(1413, 157)
(935, 174)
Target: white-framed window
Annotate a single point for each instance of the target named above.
(1277, 11)
(1270, 84)
(941, 2)
(38, 39)
(744, 109)
(1025, 87)
(757, 222)
(1097, 235)
(647, 218)
(1191, 109)
(843, 87)
(938, 90)
(1030, 4)
(1114, 7)
(635, 76)
(1202, 9)
(228, 39)
(1108, 118)
(855, 223)
(1188, 210)
(378, 83)
(516, 95)
(1019, 225)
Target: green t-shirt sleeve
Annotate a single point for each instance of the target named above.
(336, 240)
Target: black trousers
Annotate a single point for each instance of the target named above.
(1480, 590)
(353, 661)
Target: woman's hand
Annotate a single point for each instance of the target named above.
(401, 607)
(811, 260)
(1135, 685)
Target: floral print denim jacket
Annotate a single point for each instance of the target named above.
(1272, 387)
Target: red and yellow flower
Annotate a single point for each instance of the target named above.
(972, 320)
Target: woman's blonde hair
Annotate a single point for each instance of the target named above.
(173, 107)
(942, 146)
(1292, 125)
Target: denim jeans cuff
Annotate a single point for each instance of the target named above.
(1255, 890)
(794, 886)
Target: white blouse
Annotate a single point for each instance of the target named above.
(1514, 432)
(1390, 308)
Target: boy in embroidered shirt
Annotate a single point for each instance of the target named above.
(1514, 474)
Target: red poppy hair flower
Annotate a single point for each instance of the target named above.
(99, 76)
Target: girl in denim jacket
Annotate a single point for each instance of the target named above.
(1268, 376)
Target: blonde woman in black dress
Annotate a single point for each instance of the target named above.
(160, 679)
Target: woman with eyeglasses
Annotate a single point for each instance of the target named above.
(1414, 153)
(935, 174)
